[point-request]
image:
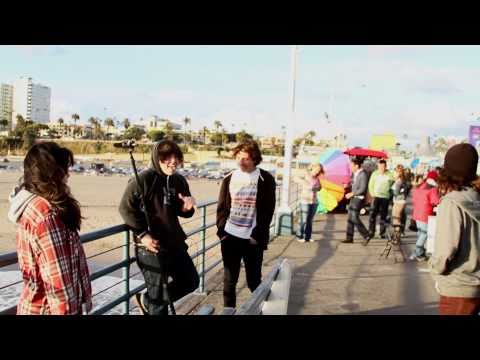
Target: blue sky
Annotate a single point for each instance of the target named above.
(413, 90)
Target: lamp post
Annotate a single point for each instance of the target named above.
(285, 213)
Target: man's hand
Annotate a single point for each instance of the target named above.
(188, 202)
(253, 241)
(349, 196)
(150, 243)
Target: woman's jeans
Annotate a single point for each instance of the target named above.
(307, 213)
(421, 238)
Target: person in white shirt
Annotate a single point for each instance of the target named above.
(245, 210)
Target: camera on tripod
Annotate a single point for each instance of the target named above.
(126, 144)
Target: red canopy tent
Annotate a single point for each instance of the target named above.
(357, 151)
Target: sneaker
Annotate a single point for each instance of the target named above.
(417, 258)
(139, 300)
(300, 240)
(347, 241)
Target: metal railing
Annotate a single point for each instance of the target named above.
(269, 298)
(127, 260)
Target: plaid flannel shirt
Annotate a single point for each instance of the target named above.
(52, 262)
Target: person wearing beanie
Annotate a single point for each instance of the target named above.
(431, 178)
(455, 263)
(424, 197)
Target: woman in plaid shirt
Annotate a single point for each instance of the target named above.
(50, 254)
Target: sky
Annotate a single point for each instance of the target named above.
(410, 91)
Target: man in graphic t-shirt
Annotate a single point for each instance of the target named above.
(245, 209)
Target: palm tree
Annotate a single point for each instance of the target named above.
(205, 132)
(217, 124)
(186, 121)
(94, 122)
(168, 129)
(75, 117)
(61, 122)
(109, 123)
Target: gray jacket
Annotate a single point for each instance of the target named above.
(455, 264)
(19, 199)
(360, 186)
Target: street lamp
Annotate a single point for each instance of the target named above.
(285, 213)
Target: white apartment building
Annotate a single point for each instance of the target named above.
(30, 100)
(6, 103)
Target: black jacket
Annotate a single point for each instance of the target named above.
(163, 209)
(265, 206)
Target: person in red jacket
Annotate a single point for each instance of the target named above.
(425, 198)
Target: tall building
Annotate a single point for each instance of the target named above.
(31, 101)
(6, 103)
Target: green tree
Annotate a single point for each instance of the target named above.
(94, 123)
(156, 135)
(29, 136)
(19, 127)
(4, 123)
(440, 145)
(75, 118)
(243, 135)
(109, 123)
(168, 129)
(134, 132)
(186, 121)
(217, 124)
(218, 138)
(205, 132)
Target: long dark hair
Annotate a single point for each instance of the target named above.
(447, 182)
(45, 173)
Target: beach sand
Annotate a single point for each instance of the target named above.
(99, 197)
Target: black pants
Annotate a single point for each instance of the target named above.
(178, 265)
(355, 221)
(403, 220)
(233, 251)
(379, 205)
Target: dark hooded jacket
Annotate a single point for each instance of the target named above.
(163, 205)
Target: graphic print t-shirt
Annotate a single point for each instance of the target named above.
(243, 192)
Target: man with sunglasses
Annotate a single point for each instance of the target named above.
(161, 250)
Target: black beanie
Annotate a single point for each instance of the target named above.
(461, 161)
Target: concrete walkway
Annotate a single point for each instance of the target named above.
(335, 278)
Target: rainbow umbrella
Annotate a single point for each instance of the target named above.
(329, 196)
(337, 172)
(337, 166)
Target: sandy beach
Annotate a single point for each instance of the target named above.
(99, 197)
